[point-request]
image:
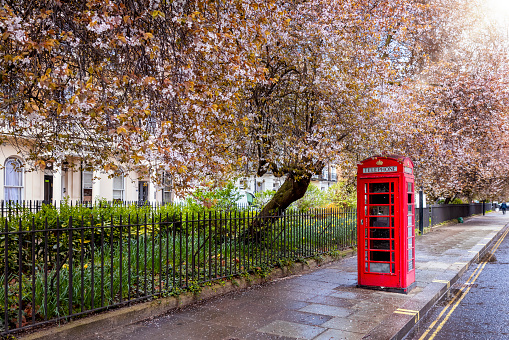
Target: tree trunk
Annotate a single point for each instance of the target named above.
(293, 188)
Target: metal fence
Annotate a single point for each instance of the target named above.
(425, 217)
(439, 213)
(12, 208)
(446, 212)
(58, 269)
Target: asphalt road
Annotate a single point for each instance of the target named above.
(478, 307)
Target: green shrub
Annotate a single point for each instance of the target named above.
(262, 198)
(313, 198)
(343, 195)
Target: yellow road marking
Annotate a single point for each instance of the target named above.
(477, 270)
(438, 318)
(409, 312)
(406, 313)
(439, 327)
(443, 281)
(446, 307)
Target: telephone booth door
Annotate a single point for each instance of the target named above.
(380, 238)
(386, 223)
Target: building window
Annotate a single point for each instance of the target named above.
(333, 174)
(244, 184)
(118, 186)
(261, 186)
(166, 189)
(325, 173)
(13, 181)
(87, 186)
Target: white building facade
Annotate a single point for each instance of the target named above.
(58, 183)
(54, 184)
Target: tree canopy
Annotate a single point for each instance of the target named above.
(203, 90)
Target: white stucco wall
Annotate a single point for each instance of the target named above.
(33, 182)
(67, 183)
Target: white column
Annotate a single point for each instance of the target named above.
(57, 185)
(96, 186)
(152, 192)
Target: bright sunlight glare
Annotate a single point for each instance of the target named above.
(498, 11)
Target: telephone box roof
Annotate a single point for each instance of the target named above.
(399, 158)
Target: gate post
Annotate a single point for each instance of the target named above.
(421, 212)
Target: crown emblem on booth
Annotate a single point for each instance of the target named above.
(379, 162)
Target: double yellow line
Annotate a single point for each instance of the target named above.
(455, 301)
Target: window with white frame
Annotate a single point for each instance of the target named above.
(333, 173)
(166, 188)
(13, 180)
(118, 186)
(87, 182)
(325, 173)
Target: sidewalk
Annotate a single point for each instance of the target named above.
(326, 304)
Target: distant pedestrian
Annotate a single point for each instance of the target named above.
(503, 207)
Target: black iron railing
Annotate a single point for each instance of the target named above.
(11, 208)
(444, 212)
(439, 213)
(57, 269)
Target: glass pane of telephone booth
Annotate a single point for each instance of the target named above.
(379, 233)
(379, 210)
(380, 256)
(380, 267)
(381, 229)
(380, 244)
(378, 187)
(379, 222)
(379, 199)
(410, 221)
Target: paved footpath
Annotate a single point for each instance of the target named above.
(326, 304)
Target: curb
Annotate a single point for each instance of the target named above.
(397, 326)
(123, 316)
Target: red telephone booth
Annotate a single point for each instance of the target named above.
(386, 223)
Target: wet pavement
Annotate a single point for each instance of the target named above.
(326, 304)
(478, 307)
